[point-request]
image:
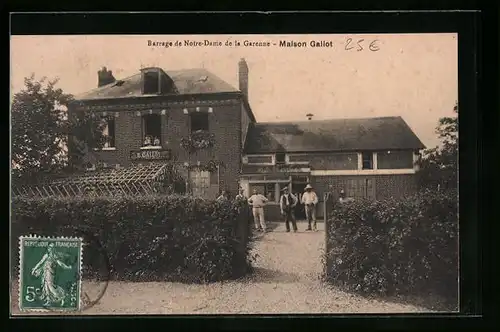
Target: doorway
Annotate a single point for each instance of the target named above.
(299, 182)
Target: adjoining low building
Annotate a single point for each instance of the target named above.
(368, 158)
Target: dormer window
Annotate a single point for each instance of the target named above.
(151, 82)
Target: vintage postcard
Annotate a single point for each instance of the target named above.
(234, 174)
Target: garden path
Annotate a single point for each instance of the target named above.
(286, 280)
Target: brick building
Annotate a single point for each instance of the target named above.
(150, 113)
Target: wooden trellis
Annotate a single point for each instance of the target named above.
(130, 181)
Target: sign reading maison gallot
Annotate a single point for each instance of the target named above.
(150, 155)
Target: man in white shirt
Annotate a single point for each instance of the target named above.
(258, 201)
(310, 199)
(288, 202)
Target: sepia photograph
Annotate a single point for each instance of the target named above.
(234, 174)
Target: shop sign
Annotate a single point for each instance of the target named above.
(150, 155)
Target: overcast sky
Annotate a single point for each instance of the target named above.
(414, 75)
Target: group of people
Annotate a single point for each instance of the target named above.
(151, 141)
(287, 204)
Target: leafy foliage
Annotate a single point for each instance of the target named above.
(439, 165)
(198, 140)
(41, 129)
(400, 246)
(175, 238)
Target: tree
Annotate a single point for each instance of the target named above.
(41, 129)
(439, 165)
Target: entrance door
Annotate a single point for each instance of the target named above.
(298, 185)
(200, 183)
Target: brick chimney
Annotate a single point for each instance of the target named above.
(243, 76)
(104, 76)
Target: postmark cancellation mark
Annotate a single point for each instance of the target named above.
(50, 273)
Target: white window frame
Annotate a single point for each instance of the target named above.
(414, 158)
(360, 161)
(288, 162)
(273, 159)
(374, 171)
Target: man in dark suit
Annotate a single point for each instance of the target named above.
(288, 202)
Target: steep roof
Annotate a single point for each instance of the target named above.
(332, 135)
(187, 81)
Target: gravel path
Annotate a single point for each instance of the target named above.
(288, 268)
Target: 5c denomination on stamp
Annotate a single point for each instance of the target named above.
(50, 273)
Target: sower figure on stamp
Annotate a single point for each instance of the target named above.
(310, 199)
(258, 201)
(45, 268)
(288, 202)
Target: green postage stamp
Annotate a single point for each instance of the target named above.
(50, 273)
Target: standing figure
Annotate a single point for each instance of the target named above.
(45, 268)
(310, 199)
(343, 198)
(288, 202)
(223, 196)
(241, 195)
(258, 201)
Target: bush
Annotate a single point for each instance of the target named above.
(175, 238)
(405, 246)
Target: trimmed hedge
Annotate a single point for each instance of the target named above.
(169, 238)
(405, 246)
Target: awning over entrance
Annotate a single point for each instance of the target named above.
(134, 180)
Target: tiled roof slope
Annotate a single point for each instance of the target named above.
(383, 133)
(187, 81)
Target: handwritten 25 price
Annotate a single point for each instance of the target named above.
(361, 44)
